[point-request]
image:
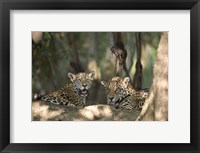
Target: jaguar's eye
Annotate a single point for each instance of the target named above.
(78, 80)
(119, 86)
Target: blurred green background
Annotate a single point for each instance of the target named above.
(54, 54)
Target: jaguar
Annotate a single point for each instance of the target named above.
(72, 94)
(121, 94)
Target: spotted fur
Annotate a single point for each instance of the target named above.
(120, 94)
(74, 93)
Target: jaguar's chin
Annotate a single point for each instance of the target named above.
(117, 104)
(114, 103)
(83, 92)
(111, 102)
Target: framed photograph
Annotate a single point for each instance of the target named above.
(97, 76)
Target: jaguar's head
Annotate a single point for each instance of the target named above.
(82, 82)
(115, 89)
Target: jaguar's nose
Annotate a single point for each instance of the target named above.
(111, 98)
(84, 85)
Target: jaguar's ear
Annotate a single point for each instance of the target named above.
(126, 81)
(72, 76)
(91, 75)
(104, 83)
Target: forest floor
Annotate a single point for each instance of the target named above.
(42, 111)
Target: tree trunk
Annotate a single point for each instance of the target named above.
(120, 52)
(138, 74)
(130, 52)
(156, 105)
(93, 65)
(42, 111)
(75, 64)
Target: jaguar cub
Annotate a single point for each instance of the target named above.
(74, 93)
(120, 94)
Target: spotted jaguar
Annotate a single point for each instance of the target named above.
(120, 94)
(73, 93)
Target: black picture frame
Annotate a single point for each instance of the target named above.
(7, 5)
